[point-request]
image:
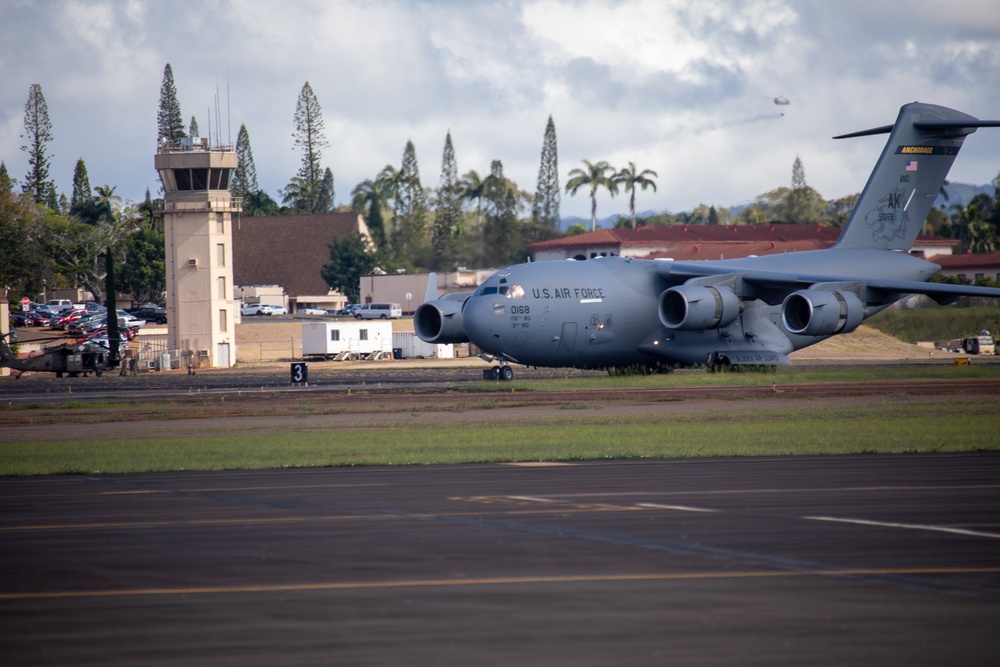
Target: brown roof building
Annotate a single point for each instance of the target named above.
(290, 251)
(970, 268)
(690, 242)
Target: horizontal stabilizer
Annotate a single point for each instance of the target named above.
(885, 129)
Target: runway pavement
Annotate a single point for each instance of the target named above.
(823, 561)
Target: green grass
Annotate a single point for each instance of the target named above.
(935, 324)
(885, 425)
(574, 380)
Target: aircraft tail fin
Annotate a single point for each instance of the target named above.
(922, 145)
(432, 287)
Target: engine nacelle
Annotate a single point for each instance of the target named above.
(440, 321)
(822, 313)
(699, 307)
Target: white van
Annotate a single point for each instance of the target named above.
(379, 311)
(59, 304)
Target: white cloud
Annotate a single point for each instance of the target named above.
(683, 88)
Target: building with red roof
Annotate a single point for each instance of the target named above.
(691, 242)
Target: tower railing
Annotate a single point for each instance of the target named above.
(219, 204)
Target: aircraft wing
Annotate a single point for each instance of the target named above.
(941, 292)
(709, 273)
(873, 288)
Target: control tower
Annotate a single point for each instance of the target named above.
(198, 227)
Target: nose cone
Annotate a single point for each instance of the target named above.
(478, 321)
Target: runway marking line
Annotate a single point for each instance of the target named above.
(239, 489)
(493, 581)
(679, 508)
(909, 526)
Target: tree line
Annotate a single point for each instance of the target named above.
(49, 240)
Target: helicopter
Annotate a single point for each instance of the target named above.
(72, 359)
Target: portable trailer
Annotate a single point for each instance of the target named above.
(344, 341)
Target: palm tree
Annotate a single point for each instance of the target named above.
(596, 176)
(106, 195)
(301, 195)
(374, 194)
(630, 177)
(473, 187)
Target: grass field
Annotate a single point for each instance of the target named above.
(935, 324)
(474, 425)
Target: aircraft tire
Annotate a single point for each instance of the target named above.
(98, 372)
(506, 373)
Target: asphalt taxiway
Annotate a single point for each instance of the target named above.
(818, 560)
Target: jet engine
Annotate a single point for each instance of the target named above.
(698, 307)
(822, 313)
(440, 320)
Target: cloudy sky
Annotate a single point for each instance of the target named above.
(683, 88)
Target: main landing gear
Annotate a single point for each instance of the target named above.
(501, 373)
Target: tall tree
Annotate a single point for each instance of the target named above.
(594, 176)
(545, 209)
(169, 121)
(411, 207)
(245, 177)
(6, 182)
(324, 203)
(803, 204)
(81, 187)
(447, 212)
(309, 136)
(500, 231)
(629, 178)
(37, 133)
(193, 128)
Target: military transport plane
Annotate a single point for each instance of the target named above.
(624, 312)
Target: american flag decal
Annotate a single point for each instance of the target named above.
(911, 165)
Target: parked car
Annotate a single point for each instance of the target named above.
(262, 309)
(64, 319)
(79, 325)
(38, 318)
(252, 309)
(350, 310)
(379, 311)
(129, 320)
(311, 310)
(151, 313)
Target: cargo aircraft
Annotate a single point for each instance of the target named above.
(631, 313)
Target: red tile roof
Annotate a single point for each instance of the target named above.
(686, 242)
(968, 261)
(654, 235)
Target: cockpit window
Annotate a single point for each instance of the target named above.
(487, 290)
(512, 291)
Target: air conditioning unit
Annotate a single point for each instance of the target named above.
(202, 353)
(193, 262)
